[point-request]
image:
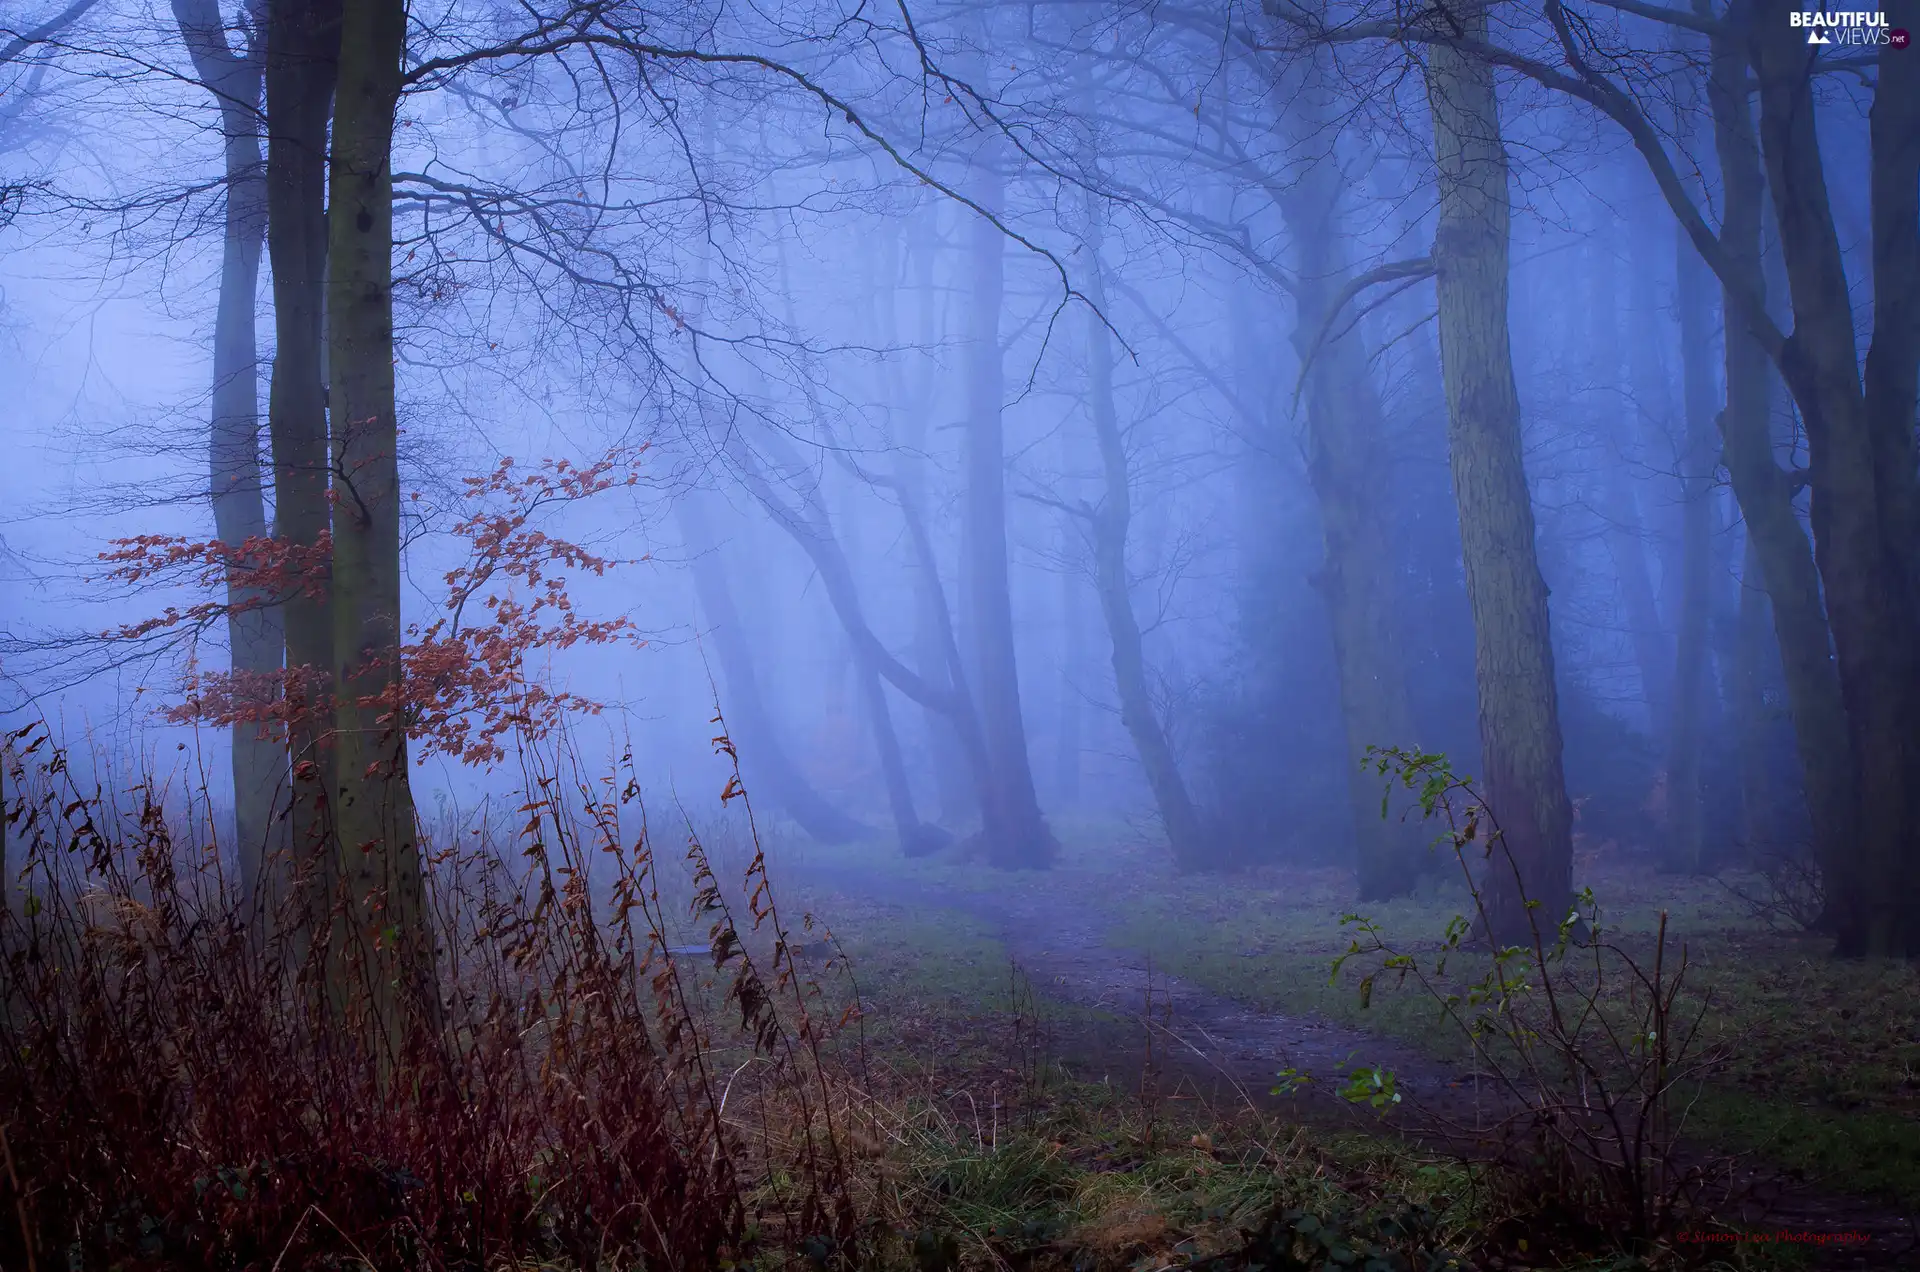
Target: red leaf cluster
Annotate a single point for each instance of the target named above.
(464, 681)
(253, 574)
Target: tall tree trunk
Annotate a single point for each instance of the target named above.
(1865, 490)
(387, 924)
(1067, 743)
(259, 760)
(1777, 541)
(1346, 459)
(1653, 430)
(1891, 385)
(945, 751)
(1686, 809)
(1760, 806)
(1720, 747)
(766, 756)
(1013, 832)
(946, 754)
(1513, 655)
(1111, 520)
(1626, 532)
(303, 42)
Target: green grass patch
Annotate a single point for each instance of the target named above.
(1820, 1059)
(1820, 1067)
(1873, 1154)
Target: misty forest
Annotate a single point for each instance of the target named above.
(1070, 635)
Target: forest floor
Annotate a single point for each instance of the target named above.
(1191, 994)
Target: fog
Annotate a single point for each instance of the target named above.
(1179, 519)
(1043, 405)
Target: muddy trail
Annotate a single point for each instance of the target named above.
(1187, 1040)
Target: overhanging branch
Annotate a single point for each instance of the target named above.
(1407, 272)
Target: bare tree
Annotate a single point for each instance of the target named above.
(1015, 832)
(1513, 655)
(754, 729)
(385, 922)
(236, 481)
(1109, 524)
(303, 45)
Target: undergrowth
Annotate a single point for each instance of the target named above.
(184, 1080)
(174, 1093)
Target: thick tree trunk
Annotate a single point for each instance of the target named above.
(302, 50)
(1513, 655)
(1013, 832)
(1686, 809)
(1777, 542)
(387, 924)
(765, 755)
(1760, 805)
(1890, 384)
(258, 760)
(1111, 520)
(1865, 490)
(1346, 457)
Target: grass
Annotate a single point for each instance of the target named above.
(948, 1133)
(1821, 1071)
(1822, 1058)
(986, 1164)
(1089, 1180)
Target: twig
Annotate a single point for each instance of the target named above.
(19, 1198)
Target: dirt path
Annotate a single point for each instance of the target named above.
(1224, 1049)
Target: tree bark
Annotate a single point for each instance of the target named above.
(1890, 386)
(303, 41)
(1014, 834)
(387, 923)
(1865, 490)
(1777, 542)
(258, 760)
(1513, 655)
(1686, 809)
(1111, 520)
(1346, 457)
(1760, 807)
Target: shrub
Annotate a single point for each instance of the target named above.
(1594, 1048)
(182, 1081)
